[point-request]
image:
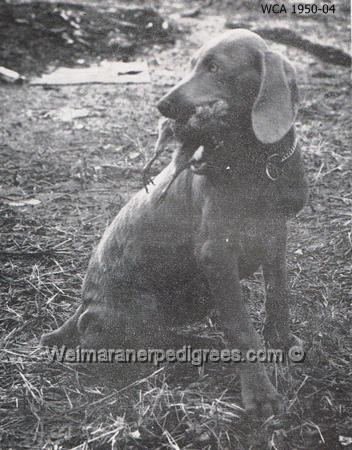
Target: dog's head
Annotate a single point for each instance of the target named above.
(258, 85)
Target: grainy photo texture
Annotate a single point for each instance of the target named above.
(176, 226)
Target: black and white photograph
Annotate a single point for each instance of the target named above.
(175, 225)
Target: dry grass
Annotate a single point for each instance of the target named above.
(82, 175)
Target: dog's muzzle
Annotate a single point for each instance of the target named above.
(177, 110)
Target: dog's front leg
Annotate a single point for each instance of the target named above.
(218, 257)
(277, 323)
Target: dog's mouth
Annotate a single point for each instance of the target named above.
(183, 116)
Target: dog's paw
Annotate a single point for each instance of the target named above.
(260, 398)
(283, 341)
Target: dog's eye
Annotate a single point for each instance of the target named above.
(213, 67)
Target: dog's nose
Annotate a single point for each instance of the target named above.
(166, 109)
(175, 110)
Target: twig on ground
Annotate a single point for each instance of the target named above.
(326, 53)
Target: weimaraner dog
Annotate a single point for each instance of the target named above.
(163, 263)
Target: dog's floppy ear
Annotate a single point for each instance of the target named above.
(275, 107)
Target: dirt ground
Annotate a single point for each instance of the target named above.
(61, 183)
